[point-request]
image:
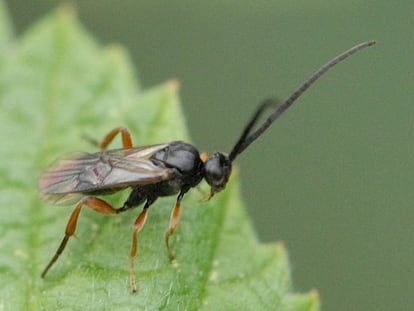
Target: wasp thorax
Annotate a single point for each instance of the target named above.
(217, 171)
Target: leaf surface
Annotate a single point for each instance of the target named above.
(57, 84)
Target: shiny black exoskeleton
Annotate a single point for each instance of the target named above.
(187, 171)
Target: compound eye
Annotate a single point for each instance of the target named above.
(218, 169)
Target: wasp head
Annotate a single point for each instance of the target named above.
(217, 171)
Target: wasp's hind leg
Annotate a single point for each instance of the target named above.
(103, 144)
(92, 202)
(125, 134)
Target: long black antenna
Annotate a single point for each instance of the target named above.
(244, 141)
(269, 103)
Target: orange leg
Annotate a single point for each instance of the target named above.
(174, 221)
(126, 138)
(96, 204)
(139, 224)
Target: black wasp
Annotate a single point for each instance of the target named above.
(152, 171)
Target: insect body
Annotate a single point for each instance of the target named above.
(152, 171)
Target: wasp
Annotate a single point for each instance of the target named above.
(153, 171)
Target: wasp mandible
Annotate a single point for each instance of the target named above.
(153, 171)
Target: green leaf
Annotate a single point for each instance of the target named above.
(57, 84)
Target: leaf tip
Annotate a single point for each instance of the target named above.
(118, 54)
(173, 86)
(115, 48)
(280, 247)
(314, 299)
(67, 11)
(315, 294)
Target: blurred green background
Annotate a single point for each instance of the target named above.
(333, 177)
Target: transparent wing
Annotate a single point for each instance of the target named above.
(71, 177)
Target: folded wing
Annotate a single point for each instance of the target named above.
(71, 177)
